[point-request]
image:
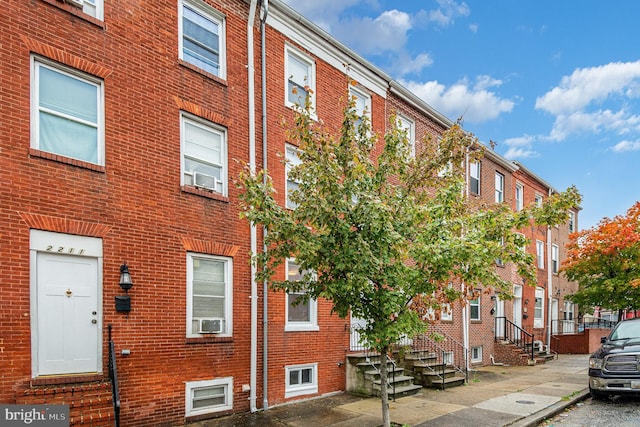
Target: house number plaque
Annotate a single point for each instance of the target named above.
(65, 250)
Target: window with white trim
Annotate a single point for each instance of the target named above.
(519, 197)
(209, 295)
(301, 380)
(572, 222)
(204, 154)
(301, 316)
(201, 31)
(474, 309)
(568, 310)
(362, 105)
(540, 253)
(500, 261)
(292, 159)
(538, 311)
(499, 187)
(409, 127)
(538, 200)
(476, 354)
(67, 112)
(300, 78)
(448, 358)
(554, 259)
(208, 396)
(446, 313)
(474, 178)
(93, 8)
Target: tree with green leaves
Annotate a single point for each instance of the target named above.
(605, 261)
(379, 231)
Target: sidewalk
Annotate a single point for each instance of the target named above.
(495, 396)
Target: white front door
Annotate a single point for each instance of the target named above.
(67, 328)
(517, 309)
(499, 316)
(554, 316)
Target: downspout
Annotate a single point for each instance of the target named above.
(253, 375)
(465, 308)
(549, 284)
(264, 11)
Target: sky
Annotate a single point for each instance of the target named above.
(554, 83)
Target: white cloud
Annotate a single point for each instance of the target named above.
(447, 12)
(473, 28)
(387, 32)
(474, 103)
(623, 146)
(591, 85)
(520, 147)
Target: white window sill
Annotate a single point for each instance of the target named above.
(292, 327)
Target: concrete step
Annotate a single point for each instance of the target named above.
(448, 383)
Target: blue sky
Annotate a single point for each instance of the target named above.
(555, 83)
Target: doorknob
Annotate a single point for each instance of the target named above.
(68, 292)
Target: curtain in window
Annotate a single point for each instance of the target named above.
(201, 40)
(298, 78)
(203, 152)
(208, 288)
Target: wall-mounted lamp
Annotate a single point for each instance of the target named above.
(125, 277)
(123, 302)
(493, 297)
(526, 301)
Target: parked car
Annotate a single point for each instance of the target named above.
(615, 367)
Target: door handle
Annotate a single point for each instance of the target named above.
(94, 321)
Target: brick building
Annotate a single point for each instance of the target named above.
(124, 125)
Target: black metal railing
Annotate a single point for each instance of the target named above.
(449, 353)
(506, 330)
(567, 327)
(113, 376)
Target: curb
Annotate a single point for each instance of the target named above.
(535, 419)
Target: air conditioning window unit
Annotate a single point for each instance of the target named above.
(209, 182)
(211, 326)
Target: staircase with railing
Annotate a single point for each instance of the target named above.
(510, 334)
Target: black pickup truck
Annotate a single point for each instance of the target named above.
(615, 367)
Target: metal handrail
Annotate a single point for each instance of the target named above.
(514, 334)
(448, 346)
(113, 376)
(567, 327)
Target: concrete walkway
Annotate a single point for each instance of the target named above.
(495, 396)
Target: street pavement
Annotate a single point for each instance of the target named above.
(519, 396)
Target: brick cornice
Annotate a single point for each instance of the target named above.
(208, 247)
(64, 225)
(199, 111)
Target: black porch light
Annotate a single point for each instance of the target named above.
(125, 277)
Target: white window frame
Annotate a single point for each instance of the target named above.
(446, 312)
(474, 177)
(216, 18)
(292, 159)
(291, 52)
(475, 303)
(448, 358)
(220, 132)
(568, 310)
(93, 8)
(540, 253)
(572, 222)
(360, 94)
(409, 126)
(476, 354)
(538, 309)
(37, 64)
(519, 197)
(293, 390)
(312, 304)
(555, 259)
(499, 184)
(538, 200)
(192, 386)
(228, 293)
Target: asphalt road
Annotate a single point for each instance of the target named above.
(618, 412)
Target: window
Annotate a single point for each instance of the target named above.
(204, 154)
(474, 178)
(447, 358)
(67, 116)
(93, 8)
(362, 104)
(538, 200)
(300, 380)
(202, 37)
(407, 125)
(474, 308)
(554, 259)
(538, 311)
(540, 253)
(476, 354)
(572, 222)
(204, 397)
(292, 160)
(300, 316)
(519, 197)
(568, 310)
(209, 295)
(300, 79)
(499, 187)
(500, 261)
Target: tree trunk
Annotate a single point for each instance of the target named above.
(384, 395)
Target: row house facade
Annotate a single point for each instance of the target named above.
(124, 127)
